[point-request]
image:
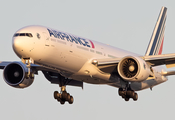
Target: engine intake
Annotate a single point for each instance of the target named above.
(133, 69)
(16, 75)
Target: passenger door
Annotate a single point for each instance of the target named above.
(47, 41)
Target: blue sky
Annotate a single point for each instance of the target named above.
(125, 24)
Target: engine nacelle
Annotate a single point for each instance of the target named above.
(16, 75)
(133, 69)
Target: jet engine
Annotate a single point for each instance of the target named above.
(133, 69)
(16, 75)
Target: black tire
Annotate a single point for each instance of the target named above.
(71, 100)
(62, 102)
(135, 98)
(68, 97)
(55, 94)
(64, 95)
(58, 99)
(130, 93)
(126, 98)
(120, 91)
(123, 95)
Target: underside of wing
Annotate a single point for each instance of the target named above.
(107, 65)
(3, 64)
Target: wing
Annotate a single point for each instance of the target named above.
(108, 65)
(164, 59)
(35, 67)
(3, 64)
(51, 74)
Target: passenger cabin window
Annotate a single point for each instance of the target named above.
(99, 52)
(23, 34)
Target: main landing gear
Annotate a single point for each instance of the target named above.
(127, 94)
(63, 96)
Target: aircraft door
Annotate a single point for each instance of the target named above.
(46, 37)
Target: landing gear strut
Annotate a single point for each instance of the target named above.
(128, 93)
(63, 96)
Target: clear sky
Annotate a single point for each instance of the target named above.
(126, 24)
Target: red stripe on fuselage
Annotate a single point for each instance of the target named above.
(161, 47)
(92, 44)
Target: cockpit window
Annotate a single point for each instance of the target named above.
(23, 34)
(38, 35)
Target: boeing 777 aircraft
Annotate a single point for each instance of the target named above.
(66, 59)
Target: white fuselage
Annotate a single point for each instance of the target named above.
(72, 56)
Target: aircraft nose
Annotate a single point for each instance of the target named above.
(23, 45)
(17, 46)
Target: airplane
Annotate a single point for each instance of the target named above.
(67, 59)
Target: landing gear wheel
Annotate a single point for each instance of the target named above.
(126, 99)
(56, 94)
(68, 97)
(120, 91)
(123, 96)
(58, 99)
(62, 102)
(71, 100)
(130, 93)
(64, 95)
(135, 98)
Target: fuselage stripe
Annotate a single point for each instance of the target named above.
(92, 44)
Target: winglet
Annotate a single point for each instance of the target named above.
(156, 42)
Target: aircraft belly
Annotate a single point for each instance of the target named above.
(89, 79)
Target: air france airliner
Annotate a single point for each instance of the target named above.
(67, 59)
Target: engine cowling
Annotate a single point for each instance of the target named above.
(133, 69)
(16, 75)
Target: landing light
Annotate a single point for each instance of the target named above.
(95, 62)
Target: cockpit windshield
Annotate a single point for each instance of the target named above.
(23, 34)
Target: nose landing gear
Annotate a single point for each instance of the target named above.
(63, 96)
(127, 94)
